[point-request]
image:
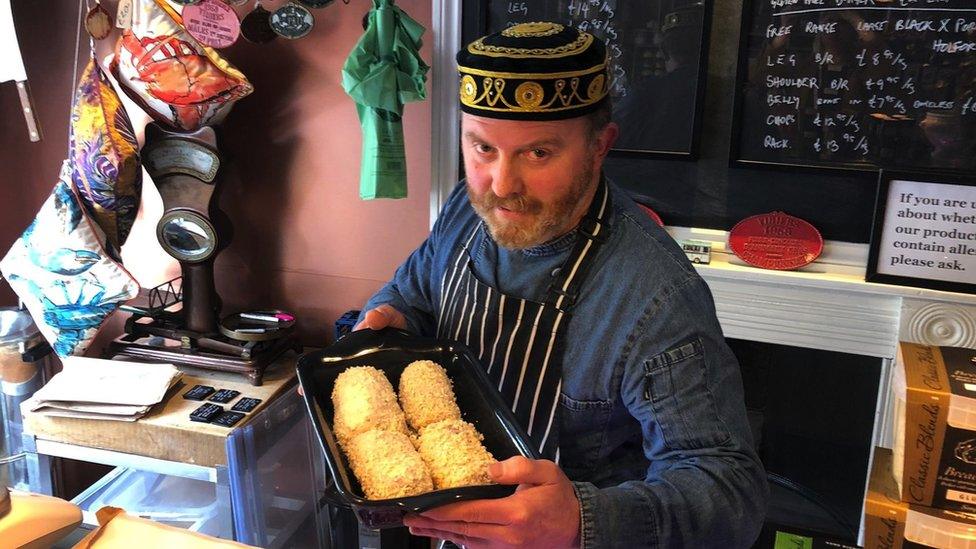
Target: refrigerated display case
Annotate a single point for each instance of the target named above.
(263, 490)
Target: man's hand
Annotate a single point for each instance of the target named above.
(543, 511)
(378, 318)
(381, 317)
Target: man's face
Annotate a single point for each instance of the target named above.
(530, 181)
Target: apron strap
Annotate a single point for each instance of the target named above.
(565, 285)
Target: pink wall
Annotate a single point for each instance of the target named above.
(304, 241)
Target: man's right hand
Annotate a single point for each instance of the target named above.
(381, 317)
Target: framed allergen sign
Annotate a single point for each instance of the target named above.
(925, 231)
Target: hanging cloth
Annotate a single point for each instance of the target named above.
(383, 72)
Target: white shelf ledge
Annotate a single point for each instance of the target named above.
(827, 304)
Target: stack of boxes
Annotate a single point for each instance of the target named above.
(923, 492)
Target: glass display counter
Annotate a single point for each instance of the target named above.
(257, 483)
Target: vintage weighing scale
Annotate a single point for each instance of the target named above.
(180, 324)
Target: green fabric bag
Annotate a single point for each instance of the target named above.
(383, 72)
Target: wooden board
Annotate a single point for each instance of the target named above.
(166, 432)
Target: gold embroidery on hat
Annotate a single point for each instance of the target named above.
(573, 92)
(583, 41)
(528, 95)
(499, 86)
(596, 89)
(532, 75)
(469, 89)
(535, 29)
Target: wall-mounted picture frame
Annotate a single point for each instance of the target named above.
(826, 89)
(924, 231)
(658, 52)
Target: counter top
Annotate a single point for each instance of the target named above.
(166, 432)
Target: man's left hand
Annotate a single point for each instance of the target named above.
(543, 511)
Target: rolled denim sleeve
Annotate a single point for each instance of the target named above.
(704, 485)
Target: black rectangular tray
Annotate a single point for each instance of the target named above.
(391, 350)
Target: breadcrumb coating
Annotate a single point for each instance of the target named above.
(426, 394)
(363, 400)
(387, 465)
(454, 454)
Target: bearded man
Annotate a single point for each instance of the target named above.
(586, 315)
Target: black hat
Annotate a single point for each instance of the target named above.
(533, 71)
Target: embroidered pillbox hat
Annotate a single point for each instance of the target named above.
(533, 71)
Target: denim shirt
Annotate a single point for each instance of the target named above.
(653, 429)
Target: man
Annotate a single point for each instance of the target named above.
(585, 313)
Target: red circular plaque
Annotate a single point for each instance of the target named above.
(775, 240)
(212, 22)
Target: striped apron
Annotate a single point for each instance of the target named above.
(519, 341)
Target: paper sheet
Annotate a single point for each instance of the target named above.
(92, 388)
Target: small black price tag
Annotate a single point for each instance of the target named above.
(198, 392)
(246, 404)
(224, 396)
(228, 419)
(206, 413)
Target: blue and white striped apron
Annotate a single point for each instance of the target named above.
(519, 341)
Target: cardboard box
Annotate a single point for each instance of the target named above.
(934, 390)
(890, 523)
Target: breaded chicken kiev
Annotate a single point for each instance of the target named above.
(363, 400)
(387, 465)
(454, 454)
(426, 394)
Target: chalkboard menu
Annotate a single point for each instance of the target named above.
(656, 50)
(857, 84)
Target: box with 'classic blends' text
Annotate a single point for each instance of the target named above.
(934, 390)
(890, 523)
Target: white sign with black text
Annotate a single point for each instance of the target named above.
(929, 232)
